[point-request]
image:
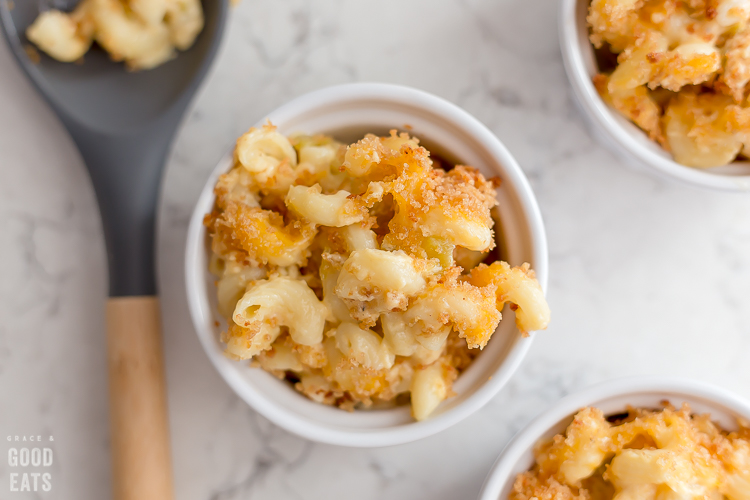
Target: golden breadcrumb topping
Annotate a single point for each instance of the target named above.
(643, 454)
(356, 272)
(681, 72)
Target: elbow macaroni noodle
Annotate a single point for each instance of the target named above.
(681, 74)
(355, 271)
(649, 455)
(143, 33)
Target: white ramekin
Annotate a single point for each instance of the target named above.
(347, 112)
(611, 397)
(617, 132)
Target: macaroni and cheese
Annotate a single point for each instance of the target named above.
(644, 454)
(357, 272)
(143, 33)
(681, 73)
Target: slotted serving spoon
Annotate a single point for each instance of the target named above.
(123, 124)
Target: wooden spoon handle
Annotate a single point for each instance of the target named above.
(138, 400)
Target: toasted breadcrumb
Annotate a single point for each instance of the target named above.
(648, 451)
(530, 487)
(667, 50)
(387, 246)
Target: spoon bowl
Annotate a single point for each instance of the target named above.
(102, 94)
(123, 123)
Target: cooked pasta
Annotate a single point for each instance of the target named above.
(143, 33)
(681, 74)
(356, 271)
(648, 455)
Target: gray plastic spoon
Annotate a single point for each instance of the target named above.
(123, 124)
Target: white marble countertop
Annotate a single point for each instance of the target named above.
(647, 277)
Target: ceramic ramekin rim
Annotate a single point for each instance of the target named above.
(567, 406)
(401, 434)
(603, 117)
